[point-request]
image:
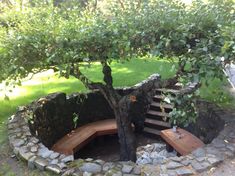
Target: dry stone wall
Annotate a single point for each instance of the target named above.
(30, 149)
(37, 155)
(52, 117)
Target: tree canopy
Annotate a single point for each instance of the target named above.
(46, 36)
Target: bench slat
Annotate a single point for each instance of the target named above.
(75, 140)
(182, 141)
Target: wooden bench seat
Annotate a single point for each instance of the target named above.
(78, 138)
(181, 140)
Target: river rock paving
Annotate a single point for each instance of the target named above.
(151, 159)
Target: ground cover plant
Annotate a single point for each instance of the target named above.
(68, 36)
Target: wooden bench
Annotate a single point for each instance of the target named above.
(181, 140)
(78, 138)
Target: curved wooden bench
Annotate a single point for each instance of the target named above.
(78, 138)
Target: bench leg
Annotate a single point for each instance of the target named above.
(169, 148)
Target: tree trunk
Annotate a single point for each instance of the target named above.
(120, 106)
(126, 135)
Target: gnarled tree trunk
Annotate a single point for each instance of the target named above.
(120, 105)
(125, 133)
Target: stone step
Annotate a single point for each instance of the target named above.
(152, 131)
(157, 123)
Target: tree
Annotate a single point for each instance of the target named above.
(46, 37)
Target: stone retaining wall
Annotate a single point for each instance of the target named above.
(53, 114)
(51, 117)
(30, 149)
(37, 155)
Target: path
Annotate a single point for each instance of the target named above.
(227, 168)
(10, 166)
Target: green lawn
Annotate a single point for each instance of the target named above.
(125, 74)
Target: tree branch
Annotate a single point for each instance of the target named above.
(9, 3)
(139, 4)
(121, 3)
(181, 68)
(108, 79)
(75, 71)
(107, 90)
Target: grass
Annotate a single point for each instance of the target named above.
(124, 74)
(218, 92)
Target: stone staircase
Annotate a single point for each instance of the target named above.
(157, 117)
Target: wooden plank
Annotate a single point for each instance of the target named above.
(75, 138)
(105, 127)
(157, 113)
(161, 97)
(80, 137)
(182, 141)
(163, 105)
(157, 122)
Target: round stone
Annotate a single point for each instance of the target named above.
(41, 163)
(91, 167)
(69, 172)
(101, 162)
(127, 169)
(54, 168)
(18, 142)
(137, 170)
(68, 159)
(107, 166)
(54, 155)
(34, 149)
(54, 161)
(200, 152)
(87, 174)
(173, 165)
(44, 152)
